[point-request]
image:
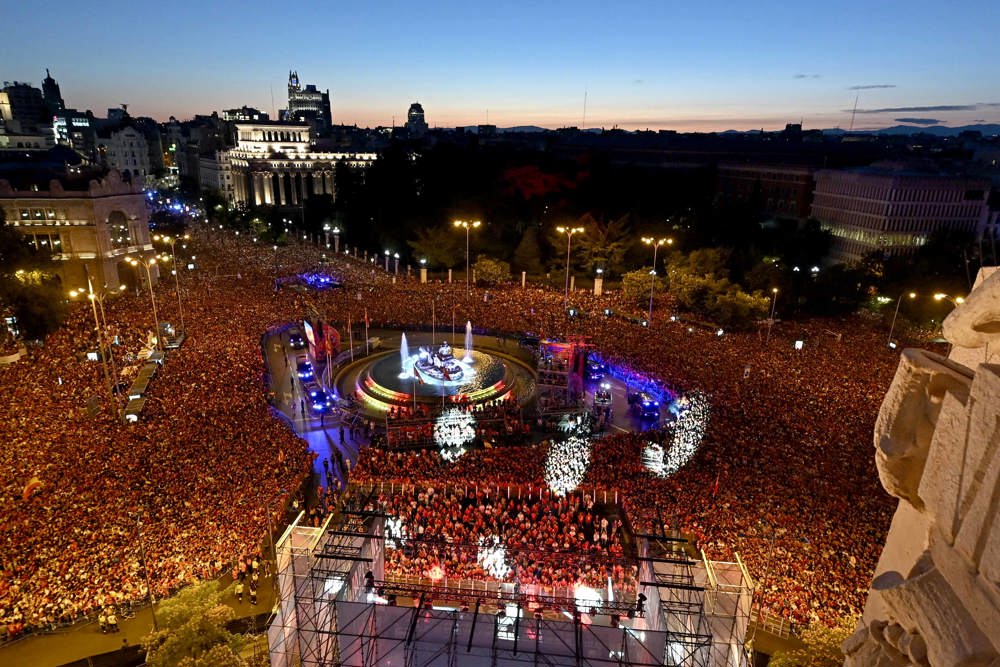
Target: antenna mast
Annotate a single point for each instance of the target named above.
(856, 98)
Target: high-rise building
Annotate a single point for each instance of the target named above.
(894, 208)
(51, 94)
(307, 104)
(416, 126)
(22, 107)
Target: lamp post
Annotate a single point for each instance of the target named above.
(955, 301)
(568, 231)
(770, 320)
(145, 569)
(649, 240)
(395, 259)
(152, 297)
(177, 273)
(423, 270)
(892, 328)
(467, 226)
(336, 240)
(100, 336)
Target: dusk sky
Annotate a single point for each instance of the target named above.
(679, 65)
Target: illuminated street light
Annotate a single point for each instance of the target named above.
(568, 231)
(467, 226)
(912, 295)
(648, 240)
(770, 321)
(152, 297)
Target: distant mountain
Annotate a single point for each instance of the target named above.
(988, 129)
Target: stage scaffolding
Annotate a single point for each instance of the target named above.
(338, 608)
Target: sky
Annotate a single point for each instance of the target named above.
(687, 66)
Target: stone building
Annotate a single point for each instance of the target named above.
(275, 164)
(97, 224)
(935, 597)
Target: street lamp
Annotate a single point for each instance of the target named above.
(568, 231)
(177, 272)
(649, 240)
(395, 258)
(152, 297)
(956, 301)
(467, 226)
(387, 261)
(770, 321)
(336, 240)
(912, 295)
(99, 331)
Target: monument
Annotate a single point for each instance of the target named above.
(935, 597)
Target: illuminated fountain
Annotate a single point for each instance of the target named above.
(468, 343)
(404, 356)
(434, 374)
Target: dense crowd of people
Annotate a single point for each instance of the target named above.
(546, 540)
(784, 476)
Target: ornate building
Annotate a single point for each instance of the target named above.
(96, 224)
(416, 126)
(275, 164)
(935, 597)
(308, 104)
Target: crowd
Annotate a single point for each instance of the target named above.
(784, 476)
(547, 540)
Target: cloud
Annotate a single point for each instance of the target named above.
(940, 107)
(873, 86)
(637, 82)
(919, 121)
(807, 76)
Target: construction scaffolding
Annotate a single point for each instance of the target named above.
(338, 607)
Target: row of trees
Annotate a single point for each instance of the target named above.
(30, 292)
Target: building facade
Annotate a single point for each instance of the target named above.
(94, 228)
(779, 190)
(274, 164)
(130, 151)
(215, 173)
(416, 125)
(307, 104)
(894, 210)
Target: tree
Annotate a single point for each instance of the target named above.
(528, 255)
(29, 289)
(491, 271)
(193, 631)
(636, 285)
(822, 646)
(441, 246)
(602, 245)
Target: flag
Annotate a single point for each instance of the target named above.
(416, 375)
(715, 488)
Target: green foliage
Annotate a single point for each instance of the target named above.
(28, 289)
(193, 631)
(699, 283)
(442, 246)
(636, 286)
(822, 646)
(602, 245)
(491, 271)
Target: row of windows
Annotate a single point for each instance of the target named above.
(43, 241)
(888, 194)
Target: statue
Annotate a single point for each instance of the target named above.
(935, 597)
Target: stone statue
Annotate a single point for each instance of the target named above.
(935, 598)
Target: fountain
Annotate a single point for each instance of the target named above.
(467, 359)
(404, 355)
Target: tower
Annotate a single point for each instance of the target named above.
(293, 83)
(51, 94)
